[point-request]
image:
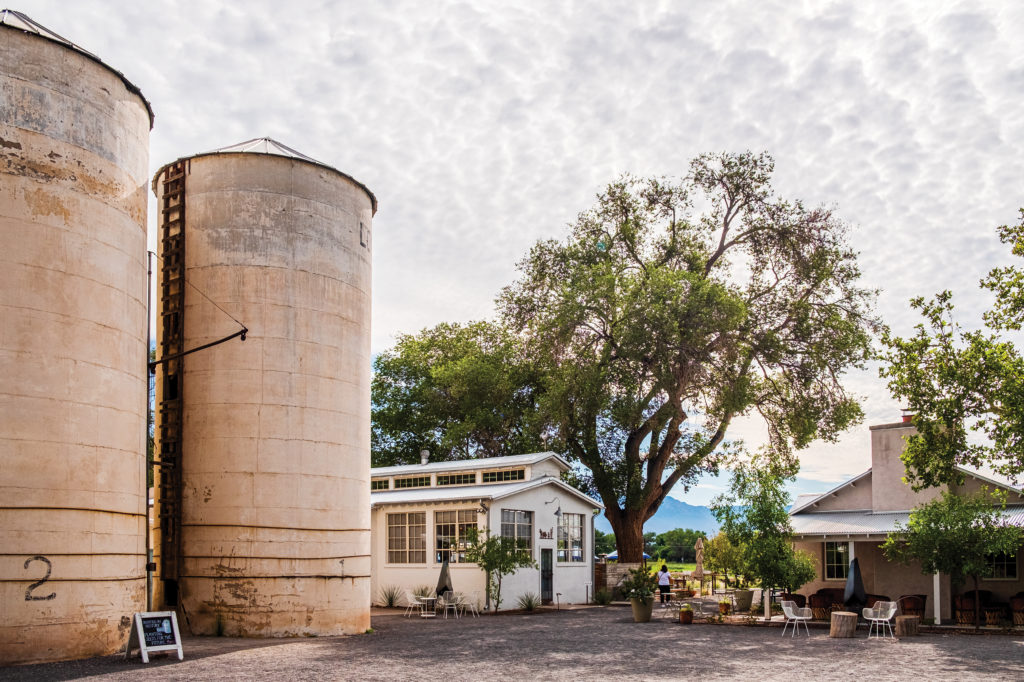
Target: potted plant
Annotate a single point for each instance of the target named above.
(744, 598)
(724, 605)
(639, 588)
(686, 614)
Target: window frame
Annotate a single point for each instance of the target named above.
(516, 525)
(461, 475)
(841, 548)
(375, 484)
(1008, 560)
(503, 475)
(407, 525)
(565, 553)
(419, 484)
(464, 520)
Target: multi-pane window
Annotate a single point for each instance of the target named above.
(504, 475)
(570, 537)
(451, 529)
(413, 482)
(456, 479)
(379, 484)
(519, 525)
(1003, 566)
(407, 538)
(837, 560)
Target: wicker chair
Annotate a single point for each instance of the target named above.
(913, 604)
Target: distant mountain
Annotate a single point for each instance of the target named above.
(672, 514)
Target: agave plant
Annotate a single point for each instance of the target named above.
(390, 595)
(529, 602)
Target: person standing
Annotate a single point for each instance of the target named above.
(664, 584)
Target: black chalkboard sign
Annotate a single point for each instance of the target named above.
(155, 631)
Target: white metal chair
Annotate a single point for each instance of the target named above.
(450, 602)
(471, 603)
(879, 617)
(795, 615)
(412, 603)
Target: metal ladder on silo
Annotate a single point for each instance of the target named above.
(172, 340)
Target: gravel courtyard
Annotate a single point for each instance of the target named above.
(594, 643)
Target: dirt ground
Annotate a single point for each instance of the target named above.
(592, 643)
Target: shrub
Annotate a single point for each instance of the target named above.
(390, 595)
(639, 584)
(529, 602)
(424, 591)
(603, 596)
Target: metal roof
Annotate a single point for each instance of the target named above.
(864, 522)
(494, 491)
(270, 147)
(22, 22)
(470, 464)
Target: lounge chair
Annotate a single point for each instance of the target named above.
(879, 616)
(795, 615)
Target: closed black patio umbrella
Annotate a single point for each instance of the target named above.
(444, 582)
(854, 596)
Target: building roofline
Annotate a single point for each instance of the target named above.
(482, 463)
(482, 492)
(24, 23)
(833, 491)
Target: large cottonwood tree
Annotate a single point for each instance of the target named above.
(671, 309)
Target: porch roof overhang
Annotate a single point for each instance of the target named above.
(866, 525)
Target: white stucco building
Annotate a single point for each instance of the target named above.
(420, 515)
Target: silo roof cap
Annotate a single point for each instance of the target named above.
(22, 22)
(269, 146)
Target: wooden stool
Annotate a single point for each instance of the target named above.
(844, 624)
(907, 626)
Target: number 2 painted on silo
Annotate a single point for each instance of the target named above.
(49, 568)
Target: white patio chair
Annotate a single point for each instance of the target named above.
(450, 603)
(795, 615)
(879, 617)
(471, 603)
(412, 603)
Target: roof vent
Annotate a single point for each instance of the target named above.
(424, 456)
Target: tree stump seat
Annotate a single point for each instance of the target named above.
(907, 626)
(844, 624)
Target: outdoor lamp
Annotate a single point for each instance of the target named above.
(558, 510)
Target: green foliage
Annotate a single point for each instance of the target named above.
(460, 391)
(955, 535)
(722, 556)
(424, 591)
(497, 556)
(390, 595)
(654, 326)
(639, 584)
(753, 516)
(677, 545)
(529, 601)
(604, 543)
(962, 384)
(603, 596)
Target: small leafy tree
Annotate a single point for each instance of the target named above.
(753, 514)
(677, 544)
(956, 535)
(639, 584)
(497, 556)
(965, 387)
(720, 555)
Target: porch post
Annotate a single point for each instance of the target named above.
(849, 546)
(937, 599)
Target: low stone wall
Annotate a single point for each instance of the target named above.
(615, 573)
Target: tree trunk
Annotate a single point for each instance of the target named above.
(977, 606)
(629, 536)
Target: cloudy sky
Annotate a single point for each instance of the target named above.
(484, 126)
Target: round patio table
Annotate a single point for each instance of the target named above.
(428, 607)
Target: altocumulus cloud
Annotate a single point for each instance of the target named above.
(485, 126)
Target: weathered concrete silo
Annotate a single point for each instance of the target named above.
(74, 148)
(266, 532)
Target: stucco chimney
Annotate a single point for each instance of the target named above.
(424, 456)
(888, 491)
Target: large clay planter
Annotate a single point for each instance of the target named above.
(642, 609)
(743, 599)
(685, 616)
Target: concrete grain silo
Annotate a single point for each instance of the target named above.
(74, 147)
(264, 492)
